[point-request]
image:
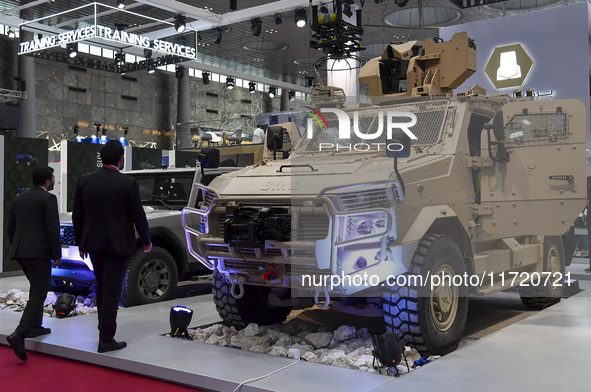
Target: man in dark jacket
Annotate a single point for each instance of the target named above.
(34, 232)
(107, 206)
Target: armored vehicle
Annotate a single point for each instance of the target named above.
(153, 276)
(484, 194)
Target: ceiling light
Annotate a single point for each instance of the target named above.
(119, 58)
(229, 83)
(256, 26)
(291, 96)
(252, 86)
(205, 77)
(300, 17)
(11, 33)
(233, 5)
(151, 69)
(179, 23)
(278, 19)
(72, 49)
(120, 4)
(272, 92)
(216, 35)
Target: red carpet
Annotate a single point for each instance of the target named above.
(53, 374)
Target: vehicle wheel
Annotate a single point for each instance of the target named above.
(431, 321)
(251, 308)
(541, 296)
(61, 286)
(150, 277)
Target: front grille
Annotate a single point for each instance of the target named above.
(67, 235)
(208, 198)
(373, 198)
(313, 227)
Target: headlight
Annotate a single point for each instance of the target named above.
(359, 226)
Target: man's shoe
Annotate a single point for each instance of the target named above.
(17, 342)
(588, 269)
(37, 331)
(111, 346)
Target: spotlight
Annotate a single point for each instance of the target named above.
(216, 35)
(278, 19)
(300, 17)
(180, 318)
(272, 92)
(120, 4)
(179, 71)
(310, 81)
(229, 83)
(119, 58)
(233, 5)
(291, 96)
(76, 129)
(347, 10)
(252, 86)
(72, 49)
(324, 9)
(256, 26)
(147, 53)
(11, 33)
(205, 77)
(179, 23)
(151, 68)
(104, 132)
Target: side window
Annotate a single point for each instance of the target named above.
(146, 185)
(536, 126)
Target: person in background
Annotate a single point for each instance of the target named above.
(258, 137)
(34, 233)
(106, 208)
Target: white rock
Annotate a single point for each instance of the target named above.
(2, 298)
(13, 294)
(10, 302)
(402, 369)
(275, 335)
(433, 357)
(87, 301)
(246, 342)
(331, 357)
(310, 357)
(50, 299)
(216, 329)
(251, 329)
(367, 369)
(302, 347)
(278, 351)
(284, 342)
(365, 360)
(217, 340)
(345, 362)
(363, 333)
(344, 332)
(318, 340)
(258, 349)
(411, 354)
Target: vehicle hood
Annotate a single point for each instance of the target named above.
(285, 177)
(151, 213)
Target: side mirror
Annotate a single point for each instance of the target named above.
(497, 126)
(209, 158)
(398, 146)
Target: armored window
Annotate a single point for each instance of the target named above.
(536, 126)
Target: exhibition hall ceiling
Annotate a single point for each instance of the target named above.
(280, 49)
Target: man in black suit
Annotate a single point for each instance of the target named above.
(34, 232)
(107, 206)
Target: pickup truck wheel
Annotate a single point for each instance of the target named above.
(431, 321)
(251, 308)
(542, 295)
(150, 277)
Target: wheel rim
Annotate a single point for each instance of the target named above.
(444, 300)
(154, 280)
(553, 263)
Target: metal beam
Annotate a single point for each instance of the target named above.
(91, 17)
(24, 6)
(185, 9)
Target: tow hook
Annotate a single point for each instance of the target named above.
(270, 273)
(237, 280)
(326, 297)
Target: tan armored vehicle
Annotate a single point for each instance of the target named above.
(479, 202)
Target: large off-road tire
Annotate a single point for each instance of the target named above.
(431, 321)
(251, 308)
(541, 296)
(150, 277)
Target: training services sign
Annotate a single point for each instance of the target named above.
(97, 31)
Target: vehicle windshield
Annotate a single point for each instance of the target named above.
(164, 190)
(431, 116)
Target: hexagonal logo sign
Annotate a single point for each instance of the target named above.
(508, 66)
